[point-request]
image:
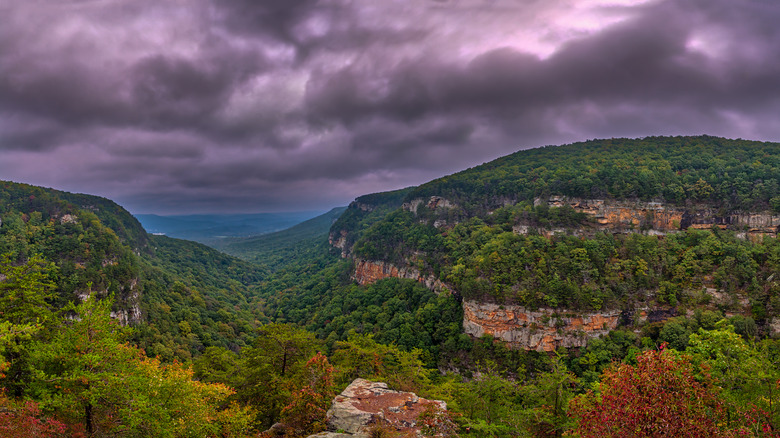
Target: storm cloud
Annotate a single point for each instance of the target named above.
(245, 106)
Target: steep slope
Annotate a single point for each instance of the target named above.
(88, 255)
(51, 203)
(550, 247)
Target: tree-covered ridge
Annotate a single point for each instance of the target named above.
(493, 242)
(182, 296)
(733, 174)
(51, 203)
(87, 254)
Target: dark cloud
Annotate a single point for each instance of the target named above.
(250, 105)
(276, 18)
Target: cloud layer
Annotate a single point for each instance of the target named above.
(239, 105)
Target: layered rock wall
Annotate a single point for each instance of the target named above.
(541, 330)
(661, 218)
(368, 272)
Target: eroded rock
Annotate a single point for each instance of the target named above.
(364, 404)
(541, 330)
(368, 272)
(660, 218)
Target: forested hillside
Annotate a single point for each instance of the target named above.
(182, 296)
(724, 173)
(619, 224)
(595, 289)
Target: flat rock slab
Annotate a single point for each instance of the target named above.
(332, 435)
(364, 403)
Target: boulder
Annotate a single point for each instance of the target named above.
(364, 404)
(331, 435)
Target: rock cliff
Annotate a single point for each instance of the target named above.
(433, 203)
(339, 240)
(541, 330)
(660, 218)
(367, 272)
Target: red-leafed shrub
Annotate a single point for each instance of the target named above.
(25, 420)
(660, 396)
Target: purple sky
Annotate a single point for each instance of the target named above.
(184, 106)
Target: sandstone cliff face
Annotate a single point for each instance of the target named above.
(368, 272)
(540, 330)
(657, 217)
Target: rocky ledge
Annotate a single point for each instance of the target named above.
(658, 217)
(541, 330)
(368, 272)
(365, 404)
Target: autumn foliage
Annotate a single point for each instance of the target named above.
(661, 396)
(25, 420)
(305, 413)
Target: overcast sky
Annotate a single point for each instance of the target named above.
(184, 106)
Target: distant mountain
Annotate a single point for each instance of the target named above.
(210, 228)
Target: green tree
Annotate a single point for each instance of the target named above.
(362, 356)
(90, 377)
(271, 364)
(747, 376)
(26, 290)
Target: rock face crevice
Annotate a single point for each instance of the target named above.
(541, 330)
(339, 240)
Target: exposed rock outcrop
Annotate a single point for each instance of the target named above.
(433, 203)
(541, 330)
(364, 404)
(660, 218)
(367, 272)
(130, 312)
(68, 219)
(339, 240)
